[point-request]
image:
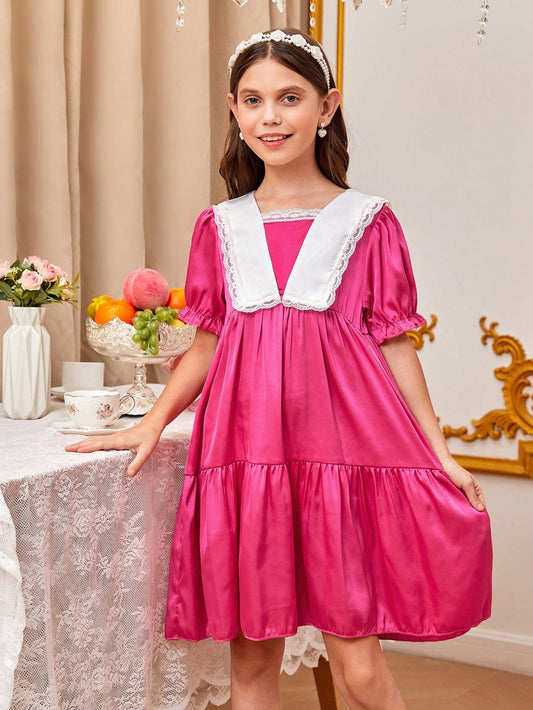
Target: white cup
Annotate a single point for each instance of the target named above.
(95, 409)
(82, 376)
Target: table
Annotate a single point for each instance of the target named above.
(93, 548)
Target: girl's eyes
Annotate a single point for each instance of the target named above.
(289, 99)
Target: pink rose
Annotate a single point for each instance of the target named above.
(60, 272)
(67, 293)
(30, 280)
(49, 271)
(35, 260)
(4, 268)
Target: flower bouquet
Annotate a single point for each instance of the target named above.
(34, 281)
(28, 285)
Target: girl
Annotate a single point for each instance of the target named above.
(319, 489)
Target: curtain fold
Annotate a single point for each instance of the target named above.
(111, 131)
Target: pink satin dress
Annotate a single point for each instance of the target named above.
(311, 495)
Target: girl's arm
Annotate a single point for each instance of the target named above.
(404, 364)
(183, 387)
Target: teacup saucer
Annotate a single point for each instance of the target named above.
(64, 426)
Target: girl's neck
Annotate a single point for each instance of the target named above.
(285, 188)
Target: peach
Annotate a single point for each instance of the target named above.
(146, 288)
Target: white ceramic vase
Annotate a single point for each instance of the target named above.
(26, 370)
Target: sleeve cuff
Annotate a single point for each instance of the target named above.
(201, 320)
(384, 331)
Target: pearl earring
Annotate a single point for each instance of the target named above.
(322, 131)
(241, 136)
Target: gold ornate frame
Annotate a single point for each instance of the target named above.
(512, 418)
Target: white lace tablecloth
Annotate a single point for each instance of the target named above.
(92, 547)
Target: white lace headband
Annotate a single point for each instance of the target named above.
(280, 36)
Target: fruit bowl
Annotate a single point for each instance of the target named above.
(114, 339)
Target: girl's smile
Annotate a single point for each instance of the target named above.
(274, 139)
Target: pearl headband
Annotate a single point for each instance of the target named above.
(280, 36)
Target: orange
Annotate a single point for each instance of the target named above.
(176, 298)
(114, 308)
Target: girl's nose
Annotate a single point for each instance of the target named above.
(270, 115)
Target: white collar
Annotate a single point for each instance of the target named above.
(319, 266)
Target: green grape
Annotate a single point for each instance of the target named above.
(147, 313)
(153, 340)
(140, 314)
(145, 333)
(143, 344)
(138, 323)
(169, 319)
(161, 315)
(136, 337)
(153, 349)
(154, 326)
(159, 308)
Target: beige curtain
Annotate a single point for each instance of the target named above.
(111, 130)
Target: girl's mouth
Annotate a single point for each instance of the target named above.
(274, 139)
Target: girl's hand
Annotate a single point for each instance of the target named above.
(464, 480)
(140, 439)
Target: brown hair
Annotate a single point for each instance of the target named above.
(240, 167)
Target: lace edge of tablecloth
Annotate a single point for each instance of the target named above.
(12, 612)
(305, 648)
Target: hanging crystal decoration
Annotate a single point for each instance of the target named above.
(403, 8)
(356, 4)
(180, 11)
(312, 15)
(482, 21)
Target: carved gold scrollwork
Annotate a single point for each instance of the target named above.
(516, 416)
(417, 336)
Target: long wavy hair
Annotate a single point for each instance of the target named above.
(240, 167)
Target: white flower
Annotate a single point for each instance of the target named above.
(240, 47)
(316, 53)
(298, 40)
(257, 37)
(277, 35)
(232, 61)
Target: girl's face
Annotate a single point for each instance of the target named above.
(278, 112)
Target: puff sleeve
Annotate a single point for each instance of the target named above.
(389, 290)
(204, 285)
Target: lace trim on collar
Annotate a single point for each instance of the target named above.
(295, 214)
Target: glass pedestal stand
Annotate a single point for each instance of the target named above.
(141, 392)
(144, 396)
(114, 340)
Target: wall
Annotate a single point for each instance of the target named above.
(443, 128)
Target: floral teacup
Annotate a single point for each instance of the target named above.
(94, 409)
